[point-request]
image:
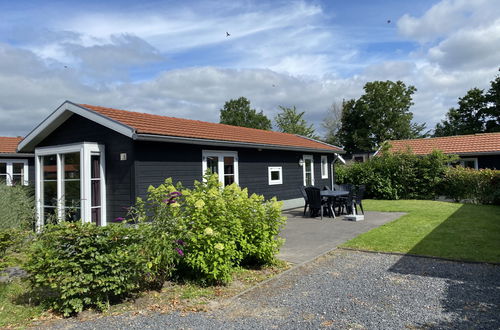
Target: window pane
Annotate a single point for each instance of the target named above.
(228, 179)
(96, 216)
(50, 193)
(228, 165)
(72, 193)
(18, 168)
(213, 164)
(308, 179)
(95, 167)
(17, 179)
(308, 165)
(3, 168)
(72, 214)
(275, 175)
(72, 166)
(95, 186)
(50, 167)
(49, 215)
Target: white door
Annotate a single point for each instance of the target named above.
(224, 163)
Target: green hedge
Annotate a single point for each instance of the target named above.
(400, 175)
(83, 265)
(477, 186)
(17, 205)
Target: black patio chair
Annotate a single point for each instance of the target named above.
(336, 187)
(326, 188)
(306, 201)
(316, 202)
(358, 197)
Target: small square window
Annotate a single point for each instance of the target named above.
(275, 175)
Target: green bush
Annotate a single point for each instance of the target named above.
(477, 186)
(17, 205)
(83, 265)
(400, 175)
(215, 227)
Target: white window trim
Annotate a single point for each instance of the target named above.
(221, 154)
(10, 168)
(86, 149)
(461, 161)
(324, 167)
(304, 157)
(274, 169)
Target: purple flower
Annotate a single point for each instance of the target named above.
(119, 219)
(181, 242)
(181, 253)
(171, 197)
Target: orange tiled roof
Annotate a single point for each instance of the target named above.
(145, 123)
(460, 144)
(9, 144)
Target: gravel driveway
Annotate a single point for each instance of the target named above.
(348, 289)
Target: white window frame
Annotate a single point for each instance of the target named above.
(324, 167)
(86, 150)
(462, 161)
(304, 157)
(221, 154)
(10, 169)
(275, 169)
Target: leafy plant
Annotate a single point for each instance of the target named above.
(17, 205)
(477, 186)
(84, 265)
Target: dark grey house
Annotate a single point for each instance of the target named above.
(15, 168)
(475, 150)
(93, 161)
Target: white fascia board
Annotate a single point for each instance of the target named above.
(339, 157)
(60, 115)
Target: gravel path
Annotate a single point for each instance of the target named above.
(346, 290)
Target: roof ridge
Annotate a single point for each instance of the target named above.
(444, 137)
(186, 119)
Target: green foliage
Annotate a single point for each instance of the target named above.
(290, 121)
(400, 175)
(215, 227)
(332, 123)
(478, 186)
(477, 112)
(382, 113)
(84, 265)
(17, 205)
(238, 113)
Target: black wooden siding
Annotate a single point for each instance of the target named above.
(119, 174)
(156, 161)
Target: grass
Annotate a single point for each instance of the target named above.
(17, 309)
(439, 229)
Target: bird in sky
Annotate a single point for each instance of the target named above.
(227, 34)
(388, 21)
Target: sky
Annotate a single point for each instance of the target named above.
(174, 58)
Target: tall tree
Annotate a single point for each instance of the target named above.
(291, 121)
(238, 113)
(477, 112)
(332, 123)
(381, 113)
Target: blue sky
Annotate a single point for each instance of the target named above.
(174, 58)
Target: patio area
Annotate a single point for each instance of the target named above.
(307, 238)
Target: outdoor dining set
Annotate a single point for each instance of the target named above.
(342, 199)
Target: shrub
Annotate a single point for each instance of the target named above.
(17, 205)
(400, 175)
(83, 265)
(477, 186)
(215, 227)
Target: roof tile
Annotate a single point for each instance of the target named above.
(145, 123)
(460, 144)
(9, 144)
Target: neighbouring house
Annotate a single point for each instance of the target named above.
(92, 162)
(15, 168)
(358, 157)
(475, 150)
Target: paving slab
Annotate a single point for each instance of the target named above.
(306, 238)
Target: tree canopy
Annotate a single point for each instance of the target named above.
(332, 123)
(291, 121)
(477, 112)
(238, 113)
(381, 113)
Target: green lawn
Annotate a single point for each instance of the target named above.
(440, 229)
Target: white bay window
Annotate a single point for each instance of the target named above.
(70, 183)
